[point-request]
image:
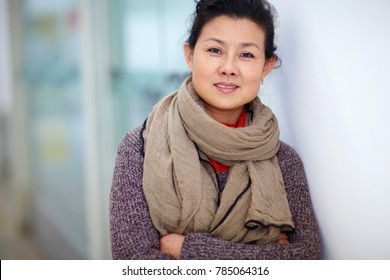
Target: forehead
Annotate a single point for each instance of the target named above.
(232, 30)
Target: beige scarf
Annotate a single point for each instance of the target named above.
(181, 190)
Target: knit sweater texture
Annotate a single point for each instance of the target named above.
(133, 235)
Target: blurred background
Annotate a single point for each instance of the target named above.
(76, 75)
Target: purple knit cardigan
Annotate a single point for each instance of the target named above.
(133, 235)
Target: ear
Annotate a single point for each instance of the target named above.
(269, 65)
(189, 55)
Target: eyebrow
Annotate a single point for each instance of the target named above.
(244, 44)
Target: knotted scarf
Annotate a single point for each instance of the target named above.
(181, 189)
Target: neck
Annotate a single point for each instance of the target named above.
(225, 116)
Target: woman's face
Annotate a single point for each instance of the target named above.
(228, 64)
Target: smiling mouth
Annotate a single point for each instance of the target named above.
(226, 86)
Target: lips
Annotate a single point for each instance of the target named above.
(226, 88)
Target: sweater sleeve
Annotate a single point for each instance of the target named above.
(132, 233)
(304, 241)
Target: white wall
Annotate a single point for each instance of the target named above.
(331, 97)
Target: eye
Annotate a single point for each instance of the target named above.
(247, 55)
(214, 51)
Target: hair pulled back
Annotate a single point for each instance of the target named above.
(259, 11)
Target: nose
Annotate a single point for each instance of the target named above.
(228, 66)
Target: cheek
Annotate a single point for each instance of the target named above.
(255, 73)
(252, 72)
(202, 64)
(201, 67)
(253, 80)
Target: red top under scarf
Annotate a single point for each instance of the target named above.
(219, 167)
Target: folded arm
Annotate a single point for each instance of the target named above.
(304, 242)
(133, 235)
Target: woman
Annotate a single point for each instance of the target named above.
(206, 176)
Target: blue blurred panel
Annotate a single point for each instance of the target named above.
(148, 62)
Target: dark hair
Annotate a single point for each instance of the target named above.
(259, 11)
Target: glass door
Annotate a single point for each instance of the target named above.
(147, 59)
(52, 87)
